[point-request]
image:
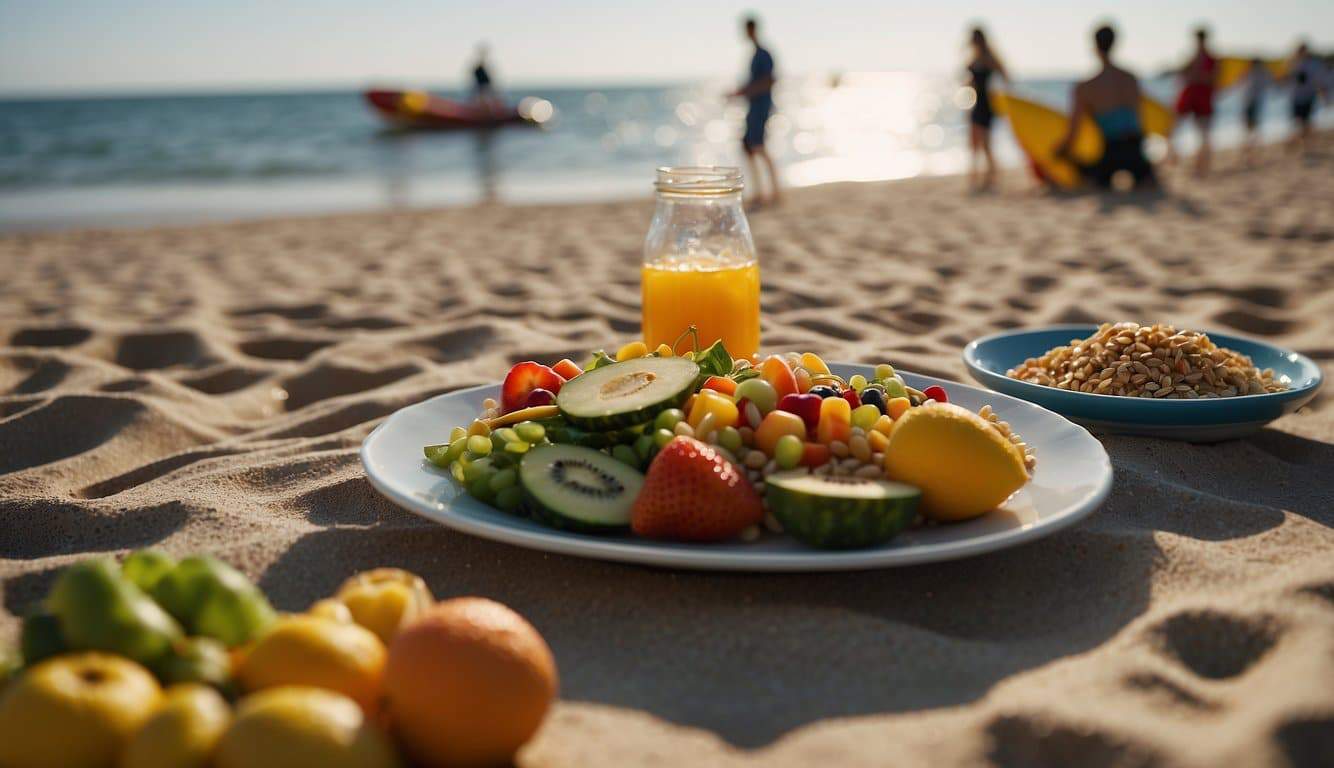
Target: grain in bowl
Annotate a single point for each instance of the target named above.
(1154, 361)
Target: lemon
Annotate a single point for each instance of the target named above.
(298, 725)
(385, 599)
(319, 652)
(962, 464)
(182, 732)
(74, 711)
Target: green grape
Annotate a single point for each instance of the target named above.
(504, 479)
(479, 446)
(517, 447)
(456, 469)
(668, 419)
(788, 450)
(480, 489)
(456, 433)
(884, 371)
(626, 455)
(857, 382)
(759, 392)
(865, 416)
(644, 447)
(509, 499)
(662, 437)
(456, 449)
(729, 438)
(481, 468)
(531, 431)
(894, 388)
(508, 434)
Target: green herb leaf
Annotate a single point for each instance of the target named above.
(600, 358)
(715, 361)
(745, 373)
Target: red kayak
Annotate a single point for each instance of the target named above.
(421, 110)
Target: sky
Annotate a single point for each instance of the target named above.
(88, 46)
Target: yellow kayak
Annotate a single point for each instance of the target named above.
(1039, 128)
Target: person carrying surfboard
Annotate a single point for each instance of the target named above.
(1196, 99)
(1111, 99)
(983, 64)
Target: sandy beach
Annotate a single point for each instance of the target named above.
(207, 388)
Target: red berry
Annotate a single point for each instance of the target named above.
(692, 493)
(850, 395)
(538, 397)
(522, 379)
(937, 393)
(806, 406)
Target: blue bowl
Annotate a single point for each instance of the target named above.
(1201, 420)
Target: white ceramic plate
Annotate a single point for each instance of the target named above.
(1072, 478)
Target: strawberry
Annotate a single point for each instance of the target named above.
(692, 493)
(567, 369)
(522, 379)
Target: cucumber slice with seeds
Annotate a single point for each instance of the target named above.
(627, 393)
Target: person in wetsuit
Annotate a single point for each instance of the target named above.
(983, 64)
(1196, 99)
(1111, 98)
(758, 91)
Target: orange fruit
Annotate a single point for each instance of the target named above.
(320, 652)
(468, 683)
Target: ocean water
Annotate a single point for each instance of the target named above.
(158, 159)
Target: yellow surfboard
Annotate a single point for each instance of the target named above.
(1039, 128)
(1231, 70)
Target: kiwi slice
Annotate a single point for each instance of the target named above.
(627, 393)
(577, 488)
(840, 512)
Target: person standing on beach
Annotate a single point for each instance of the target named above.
(1307, 74)
(1257, 81)
(483, 91)
(758, 90)
(983, 64)
(1111, 99)
(1197, 95)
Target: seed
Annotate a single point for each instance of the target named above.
(683, 429)
(860, 448)
(838, 448)
(870, 470)
(755, 459)
(753, 415)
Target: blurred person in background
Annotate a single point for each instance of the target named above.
(483, 92)
(1196, 99)
(758, 91)
(1257, 82)
(983, 64)
(1309, 79)
(1111, 99)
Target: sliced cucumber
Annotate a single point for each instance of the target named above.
(624, 394)
(840, 512)
(572, 487)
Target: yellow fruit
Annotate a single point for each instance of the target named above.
(665, 350)
(300, 726)
(319, 652)
(964, 467)
(631, 351)
(332, 609)
(182, 732)
(468, 683)
(812, 363)
(74, 711)
(385, 599)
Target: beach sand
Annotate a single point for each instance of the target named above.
(207, 388)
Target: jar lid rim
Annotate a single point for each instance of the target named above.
(699, 179)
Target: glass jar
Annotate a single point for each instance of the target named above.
(699, 262)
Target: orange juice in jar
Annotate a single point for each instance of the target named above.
(699, 266)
